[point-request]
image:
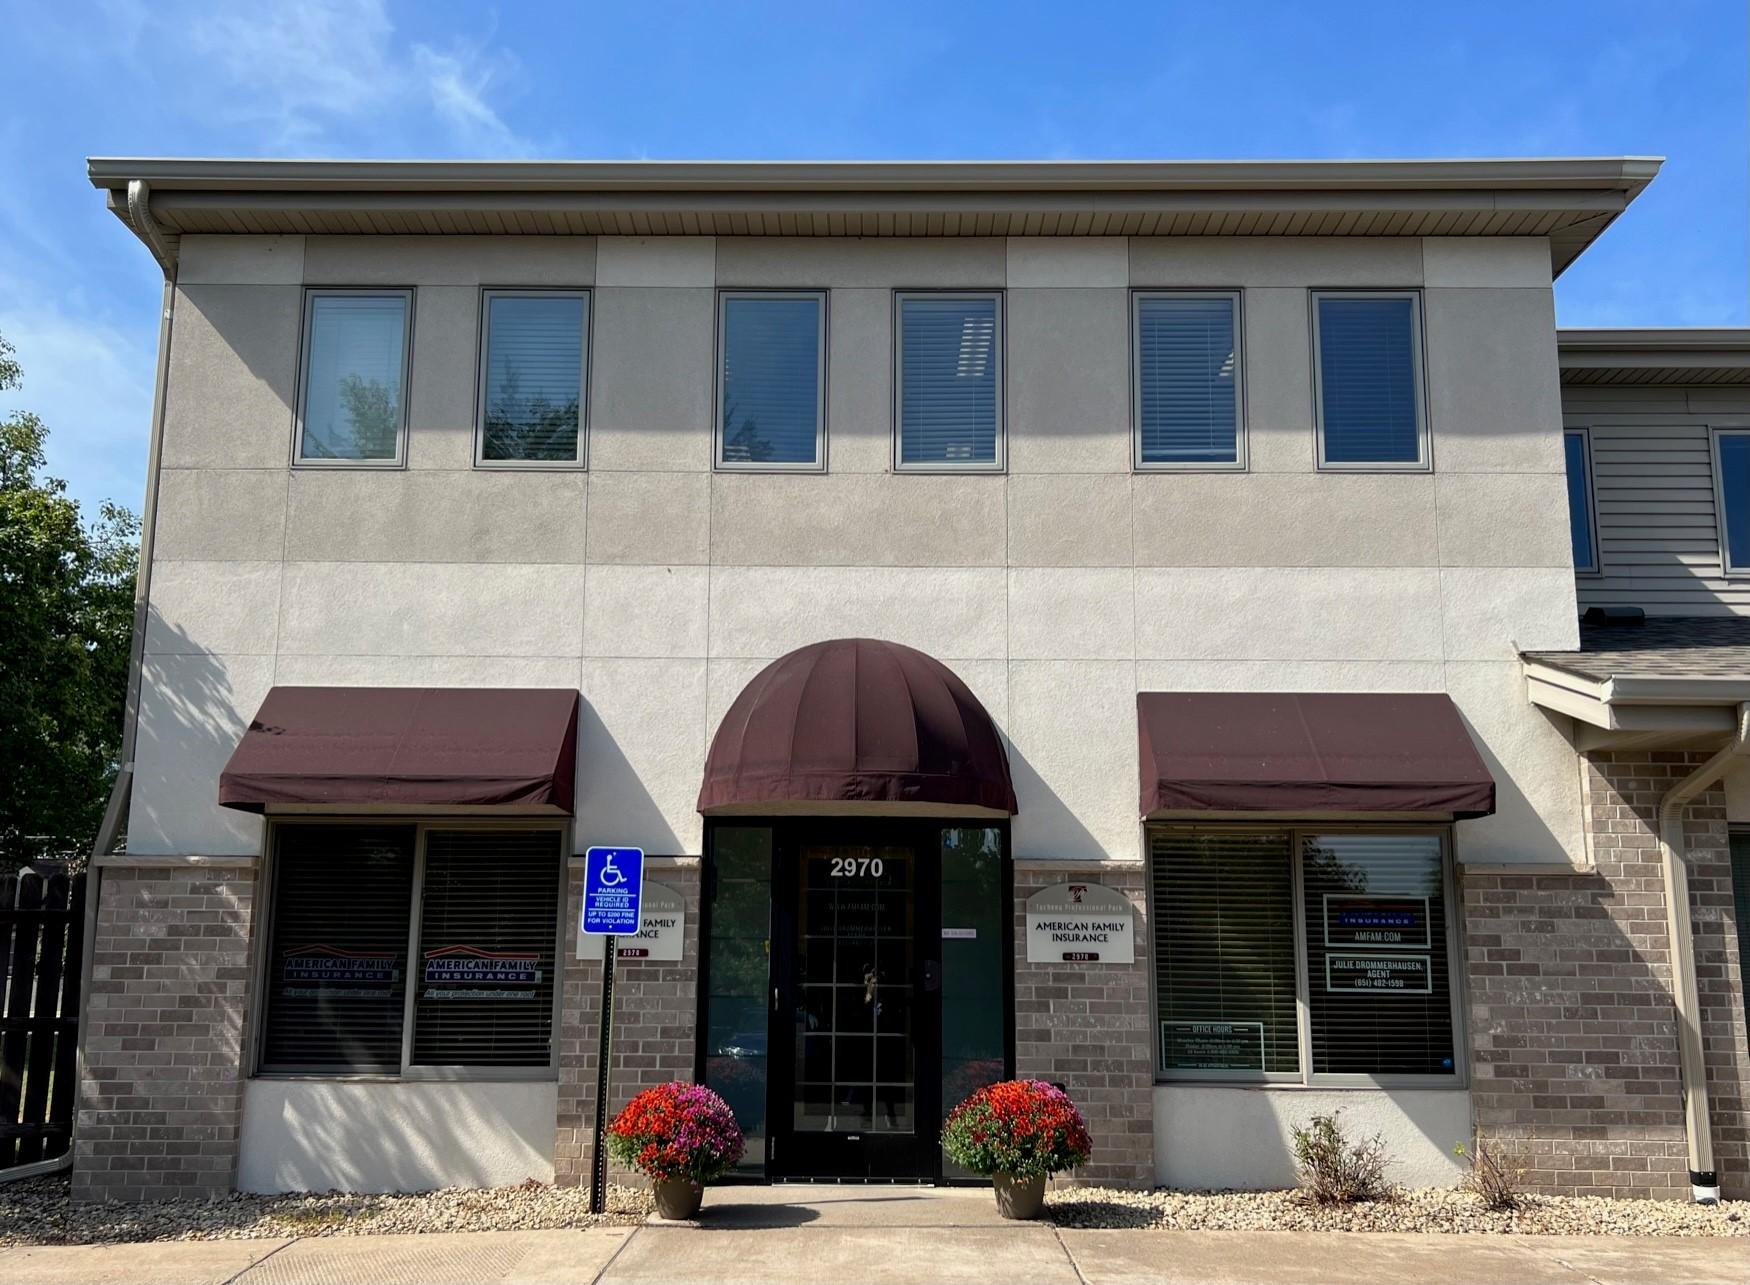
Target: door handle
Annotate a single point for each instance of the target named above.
(932, 976)
(774, 999)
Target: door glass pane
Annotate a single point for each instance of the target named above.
(972, 967)
(856, 1066)
(740, 892)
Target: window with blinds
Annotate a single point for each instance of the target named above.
(337, 954)
(532, 376)
(353, 402)
(1368, 375)
(1576, 443)
(1374, 998)
(949, 375)
(771, 387)
(1379, 998)
(1187, 380)
(488, 924)
(1224, 957)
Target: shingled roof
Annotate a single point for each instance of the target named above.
(1664, 646)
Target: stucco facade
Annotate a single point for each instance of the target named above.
(658, 586)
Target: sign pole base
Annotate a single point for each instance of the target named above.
(598, 1177)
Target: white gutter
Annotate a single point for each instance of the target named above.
(1704, 1182)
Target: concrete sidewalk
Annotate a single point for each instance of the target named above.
(886, 1236)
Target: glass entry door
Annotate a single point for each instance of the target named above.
(856, 1008)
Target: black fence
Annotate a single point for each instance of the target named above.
(42, 925)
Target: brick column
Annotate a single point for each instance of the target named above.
(1086, 1026)
(161, 1090)
(1573, 1029)
(655, 1014)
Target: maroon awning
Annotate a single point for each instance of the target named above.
(857, 720)
(417, 746)
(1309, 753)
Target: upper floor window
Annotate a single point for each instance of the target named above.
(533, 377)
(1581, 526)
(352, 404)
(948, 373)
(1732, 498)
(771, 387)
(1188, 410)
(1367, 376)
(1311, 955)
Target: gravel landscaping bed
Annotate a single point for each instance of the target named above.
(40, 1212)
(1433, 1209)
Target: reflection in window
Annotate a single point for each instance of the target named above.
(355, 358)
(738, 906)
(1580, 526)
(771, 383)
(532, 381)
(1734, 490)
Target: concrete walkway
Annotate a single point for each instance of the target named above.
(886, 1236)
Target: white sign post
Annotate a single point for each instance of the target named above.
(1080, 923)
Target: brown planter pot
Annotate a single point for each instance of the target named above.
(1019, 1197)
(677, 1199)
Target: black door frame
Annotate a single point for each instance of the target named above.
(924, 834)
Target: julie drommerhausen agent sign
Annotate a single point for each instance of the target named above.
(1080, 923)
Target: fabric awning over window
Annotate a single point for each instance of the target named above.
(857, 720)
(412, 746)
(1309, 753)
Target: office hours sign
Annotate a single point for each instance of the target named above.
(662, 924)
(1080, 923)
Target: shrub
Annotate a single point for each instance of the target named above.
(677, 1131)
(1491, 1177)
(1332, 1169)
(1020, 1127)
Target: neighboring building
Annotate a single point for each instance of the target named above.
(882, 548)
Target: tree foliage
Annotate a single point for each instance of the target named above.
(66, 615)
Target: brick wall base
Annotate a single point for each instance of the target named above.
(655, 1016)
(161, 1096)
(1573, 1032)
(1086, 1026)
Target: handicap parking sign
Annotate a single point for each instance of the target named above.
(613, 881)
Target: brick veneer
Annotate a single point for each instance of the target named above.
(655, 1014)
(1574, 1052)
(1087, 1027)
(161, 1092)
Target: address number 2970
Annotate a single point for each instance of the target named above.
(857, 867)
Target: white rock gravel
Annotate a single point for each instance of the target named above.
(40, 1212)
(1431, 1209)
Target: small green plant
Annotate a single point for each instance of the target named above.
(1335, 1171)
(1490, 1176)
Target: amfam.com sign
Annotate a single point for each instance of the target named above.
(1080, 923)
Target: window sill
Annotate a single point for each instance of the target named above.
(1390, 1084)
(498, 1075)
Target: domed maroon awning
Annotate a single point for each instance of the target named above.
(857, 720)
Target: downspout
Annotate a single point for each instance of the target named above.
(1704, 1181)
(140, 216)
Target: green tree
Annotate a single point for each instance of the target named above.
(66, 616)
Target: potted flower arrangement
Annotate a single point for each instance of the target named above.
(1017, 1133)
(680, 1136)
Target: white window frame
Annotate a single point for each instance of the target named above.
(1715, 433)
(1596, 568)
(1306, 1077)
(999, 354)
(818, 465)
(306, 331)
(1239, 463)
(1424, 461)
(260, 965)
(487, 295)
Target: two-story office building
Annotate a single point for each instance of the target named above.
(1114, 623)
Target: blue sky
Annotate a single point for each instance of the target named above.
(78, 296)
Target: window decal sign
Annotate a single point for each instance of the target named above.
(1395, 974)
(662, 929)
(471, 966)
(1080, 923)
(327, 970)
(1365, 921)
(1212, 1046)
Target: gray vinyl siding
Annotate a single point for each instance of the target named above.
(1652, 467)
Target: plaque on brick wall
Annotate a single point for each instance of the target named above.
(662, 926)
(1080, 923)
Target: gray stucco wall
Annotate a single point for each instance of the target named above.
(1057, 591)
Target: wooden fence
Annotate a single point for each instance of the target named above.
(42, 926)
